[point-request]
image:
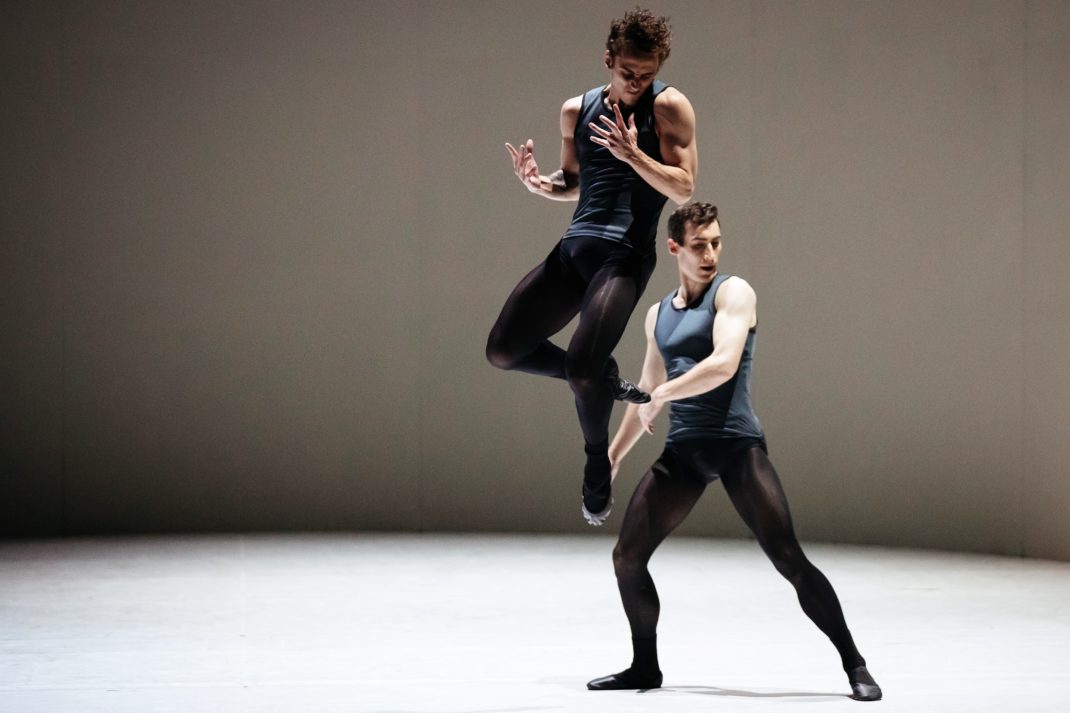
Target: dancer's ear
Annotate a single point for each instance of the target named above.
(609, 59)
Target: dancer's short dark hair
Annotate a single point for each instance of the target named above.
(640, 32)
(698, 214)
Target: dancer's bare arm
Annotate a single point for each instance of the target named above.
(674, 120)
(564, 183)
(735, 303)
(653, 376)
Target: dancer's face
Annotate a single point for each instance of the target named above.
(698, 256)
(630, 75)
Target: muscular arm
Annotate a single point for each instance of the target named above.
(674, 120)
(653, 376)
(564, 183)
(735, 304)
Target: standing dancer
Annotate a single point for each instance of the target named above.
(700, 347)
(625, 147)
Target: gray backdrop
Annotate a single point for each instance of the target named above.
(251, 251)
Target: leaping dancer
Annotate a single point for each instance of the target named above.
(625, 147)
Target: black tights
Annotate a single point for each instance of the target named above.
(603, 290)
(663, 499)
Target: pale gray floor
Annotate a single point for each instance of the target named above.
(451, 624)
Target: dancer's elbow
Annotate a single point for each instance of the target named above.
(685, 192)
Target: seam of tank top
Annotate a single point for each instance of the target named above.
(653, 115)
(713, 297)
(585, 108)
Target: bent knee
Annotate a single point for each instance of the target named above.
(500, 359)
(583, 377)
(497, 353)
(789, 561)
(627, 560)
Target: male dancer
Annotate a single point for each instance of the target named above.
(625, 147)
(700, 346)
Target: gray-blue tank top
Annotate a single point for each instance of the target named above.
(615, 203)
(684, 338)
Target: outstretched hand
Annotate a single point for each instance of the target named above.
(524, 165)
(621, 139)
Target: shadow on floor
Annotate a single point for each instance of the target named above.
(484, 710)
(737, 693)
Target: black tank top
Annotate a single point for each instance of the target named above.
(615, 202)
(684, 338)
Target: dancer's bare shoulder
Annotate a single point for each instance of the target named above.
(570, 114)
(651, 319)
(673, 112)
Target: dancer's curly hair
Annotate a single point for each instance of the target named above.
(698, 214)
(641, 32)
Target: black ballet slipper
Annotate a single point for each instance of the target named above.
(622, 389)
(627, 680)
(597, 485)
(594, 516)
(863, 687)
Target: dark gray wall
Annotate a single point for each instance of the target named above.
(1046, 308)
(250, 253)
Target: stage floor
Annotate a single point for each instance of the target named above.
(495, 623)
